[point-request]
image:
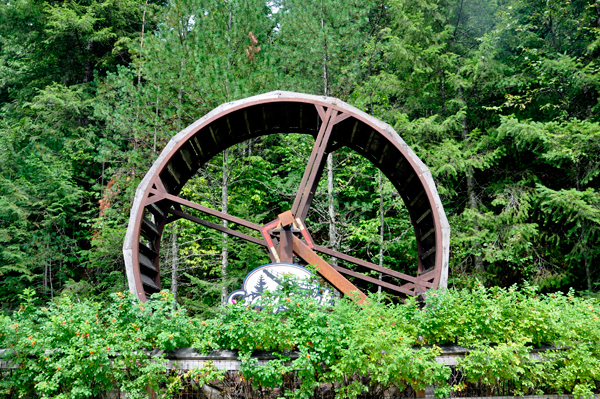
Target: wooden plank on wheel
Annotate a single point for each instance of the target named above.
(327, 271)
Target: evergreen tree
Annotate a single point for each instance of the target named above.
(261, 285)
(49, 53)
(499, 99)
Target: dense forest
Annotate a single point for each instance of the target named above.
(499, 98)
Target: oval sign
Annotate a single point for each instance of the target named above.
(268, 278)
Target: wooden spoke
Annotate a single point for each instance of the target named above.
(218, 227)
(372, 266)
(374, 280)
(326, 270)
(314, 168)
(209, 211)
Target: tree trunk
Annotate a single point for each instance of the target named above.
(174, 253)
(45, 279)
(46, 265)
(224, 209)
(588, 274)
(381, 227)
(333, 234)
(333, 241)
(50, 279)
(48, 273)
(471, 187)
(142, 39)
(473, 205)
(88, 73)
(179, 106)
(325, 81)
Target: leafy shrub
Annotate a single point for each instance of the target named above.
(397, 343)
(333, 342)
(73, 349)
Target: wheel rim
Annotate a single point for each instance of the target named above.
(334, 124)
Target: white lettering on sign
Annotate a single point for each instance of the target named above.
(269, 277)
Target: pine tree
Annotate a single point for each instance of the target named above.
(48, 169)
(261, 285)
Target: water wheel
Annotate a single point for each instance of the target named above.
(333, 124)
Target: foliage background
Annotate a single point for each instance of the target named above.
(499, 98)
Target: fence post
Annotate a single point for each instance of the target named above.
(151, 393)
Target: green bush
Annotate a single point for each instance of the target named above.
(397, 343)
(73, 349)
(333, 342)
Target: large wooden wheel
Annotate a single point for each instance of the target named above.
(333, 124)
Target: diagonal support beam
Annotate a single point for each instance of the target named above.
(270, 244)
(207, 210)
(401, 289)
(217, 227)
(327, 271)
(372, 266)
(314, 168)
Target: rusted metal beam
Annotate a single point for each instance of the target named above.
(286, 218)
(327, 271)
(217, 227)
(286, 250)
(341, 117)
(375, 281)
(212, 212)
(312, 189)
(427, 276)
(305, 233)
(370, 265)
(265, 231)
(314, 167)
(273, 255)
